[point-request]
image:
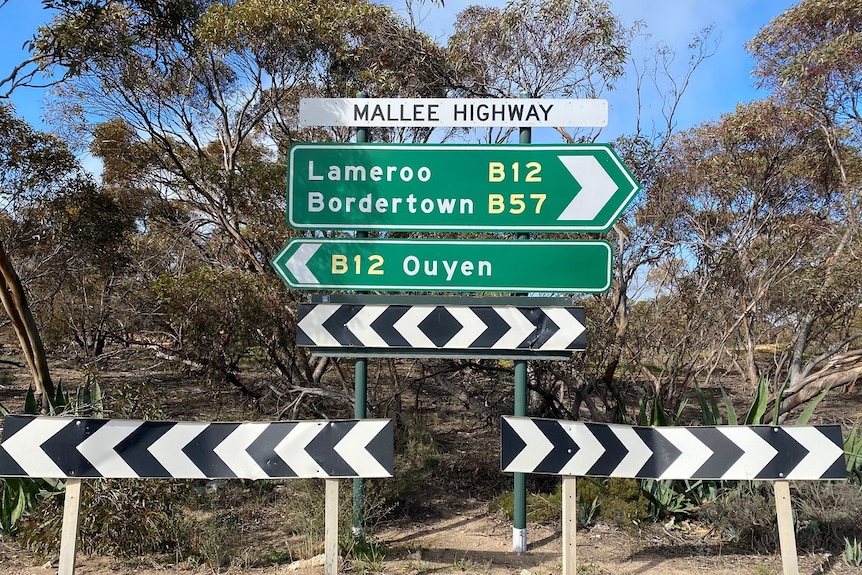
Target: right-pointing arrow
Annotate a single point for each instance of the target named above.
(597, 188)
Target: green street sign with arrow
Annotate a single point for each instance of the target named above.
(450, 187)
(564, 266)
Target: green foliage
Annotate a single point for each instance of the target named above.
(758, 403)
(367, 555)
(17, 496)
(616, 500)
(852, 554)
(124, 518)
(417, 457)
(853, 454)
(825, 514)
(88, 399)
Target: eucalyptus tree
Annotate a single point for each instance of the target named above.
(541, 48)
(35, 169)
(809, 56)
(197, 101)
(759, 231)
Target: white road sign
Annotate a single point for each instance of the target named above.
(453, 112)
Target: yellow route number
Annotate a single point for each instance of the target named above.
(341, 265)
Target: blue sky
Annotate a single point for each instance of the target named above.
(722, 81)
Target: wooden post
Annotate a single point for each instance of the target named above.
(786, 532)
(69, 534)
(330, 531)
(570, 523)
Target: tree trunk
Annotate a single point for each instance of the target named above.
(15, 303)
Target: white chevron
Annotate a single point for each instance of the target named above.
(98, 449)
(520, 328)
(360, 325)
(25, 447)
(408, 326)
(232, 450)
(297, 263)
(570, 328)
(292, 451)
(638, 452)
(312, 325)
(694, 453)
(757, 452)
(353, 448)
(597, 187)
(537, 445)
(472, 328)
(168, 450)
(590, 448)
(822, 453)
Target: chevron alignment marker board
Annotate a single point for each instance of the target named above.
(466, 328)
(724, 452)
(64, 447)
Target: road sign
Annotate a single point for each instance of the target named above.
(448, 187)
(446, 265)
(472, 328)
(65, 447)
(718, 452)
(452, 112)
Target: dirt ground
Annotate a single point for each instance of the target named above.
(472, 540)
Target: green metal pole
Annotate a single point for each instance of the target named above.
(360, 393)
(519, 489)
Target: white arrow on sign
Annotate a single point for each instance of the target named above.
(233, 450)
(353, 449)
(312, 324)
(168, 450)
(99, 448)
(297, 264)
(597, 188)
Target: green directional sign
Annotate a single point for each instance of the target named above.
(448, 187)
(446, 265)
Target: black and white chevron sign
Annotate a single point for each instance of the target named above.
(720, 452)
(65, 447)
(442, 327)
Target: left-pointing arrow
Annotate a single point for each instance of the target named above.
(25, 446)
(297, 264)
(99, 448)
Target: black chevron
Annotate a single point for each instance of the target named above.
(381, 447)
(564, 446)
(545, 328)
(200, 450)
(496, 327)
(724, 452)
(664, 453)
(62, 447)
(614, 453)
(384, 325)
(134, 449)
(511, 444)
(337, 322)
(790, 452)
(322, 449)
(262, 450)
